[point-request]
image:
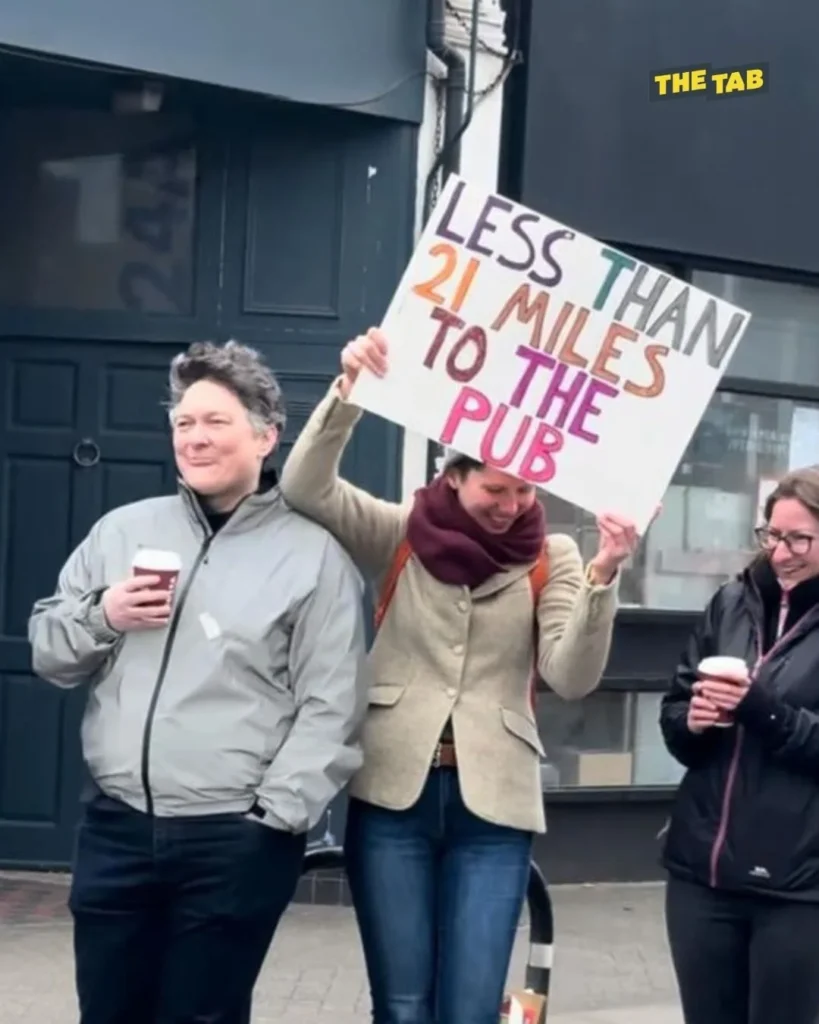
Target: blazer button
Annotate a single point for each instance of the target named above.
(451, 693)
(458, 649)
(463, 606)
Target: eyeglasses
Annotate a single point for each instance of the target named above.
(796, 543)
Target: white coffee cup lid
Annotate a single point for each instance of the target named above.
(723, 666)
(159, 561)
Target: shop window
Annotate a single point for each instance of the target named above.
(704, 536)
(97, 212)
(782, 340)
(609, 740)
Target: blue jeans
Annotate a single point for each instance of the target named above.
(173, 916)
(438, 894)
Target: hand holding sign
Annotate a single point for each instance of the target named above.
(618, 542)
(366, 352)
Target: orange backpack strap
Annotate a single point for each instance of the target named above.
(539, 575)
(399, 560)
(538, 578)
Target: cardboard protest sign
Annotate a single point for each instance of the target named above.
(547, 354)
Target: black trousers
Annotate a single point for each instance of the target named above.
(743, 959)
(173, 916)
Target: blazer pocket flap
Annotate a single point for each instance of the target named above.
(386, 695)
(525, 730)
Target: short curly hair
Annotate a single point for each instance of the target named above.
(238, 368)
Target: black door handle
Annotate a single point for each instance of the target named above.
(86, 453)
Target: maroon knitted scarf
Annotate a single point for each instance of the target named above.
(454, 548)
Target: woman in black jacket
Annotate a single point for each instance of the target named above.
(742, 849)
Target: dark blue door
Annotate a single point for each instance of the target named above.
(122, 239)
(83, 433)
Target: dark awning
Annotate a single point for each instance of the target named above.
(362, 55)
(727, 176)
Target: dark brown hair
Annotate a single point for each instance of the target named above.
(463, 466)
(801, 485)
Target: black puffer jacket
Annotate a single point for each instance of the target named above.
(747, 812)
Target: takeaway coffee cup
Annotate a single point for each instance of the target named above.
(164, 564)
(724, 670)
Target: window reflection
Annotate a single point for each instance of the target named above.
(608, 740)
(782, 340)
(96, 212)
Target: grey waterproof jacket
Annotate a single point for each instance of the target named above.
(254, 693)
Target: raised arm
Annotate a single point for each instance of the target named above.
(368, 527)
(575, 617)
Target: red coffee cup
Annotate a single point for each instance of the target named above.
(723, 669)
(164, 564)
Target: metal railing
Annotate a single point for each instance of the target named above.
(324, 857)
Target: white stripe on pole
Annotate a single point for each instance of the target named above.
(541, 955)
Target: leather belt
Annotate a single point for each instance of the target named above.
(445, 756)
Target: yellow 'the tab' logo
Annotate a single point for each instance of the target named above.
(704, 80)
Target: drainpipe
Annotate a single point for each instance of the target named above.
(456, 120)
(449, 158)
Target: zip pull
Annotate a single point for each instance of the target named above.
(784, 606)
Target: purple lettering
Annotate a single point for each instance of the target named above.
(556, 275)
(444, 230)
(517, 229)
(537, 360)
(588, 408)
(565, 396)
(484, 225)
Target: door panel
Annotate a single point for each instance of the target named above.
(297, 234)
(85, 432)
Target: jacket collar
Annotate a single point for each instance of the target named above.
(251, 511)
(764, 594)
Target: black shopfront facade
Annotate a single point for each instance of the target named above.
(171, 173)
(720, 189)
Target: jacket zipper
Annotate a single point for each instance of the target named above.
(733, 769)
(163, 668)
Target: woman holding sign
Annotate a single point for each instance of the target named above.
(473, 595)
(742, 849)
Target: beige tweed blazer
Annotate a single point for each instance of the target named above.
(447, 652)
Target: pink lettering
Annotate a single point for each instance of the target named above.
(538, 465)
(490, 437)
(472, 405)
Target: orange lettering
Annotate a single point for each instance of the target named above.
(653, 354)
(609, 351)
(465, 284)
(525, 309)
(567, 353)
(427, 289)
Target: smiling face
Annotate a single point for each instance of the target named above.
(791, 540)
(219, 450)
(493, 499)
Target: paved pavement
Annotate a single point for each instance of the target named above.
(611, 962)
